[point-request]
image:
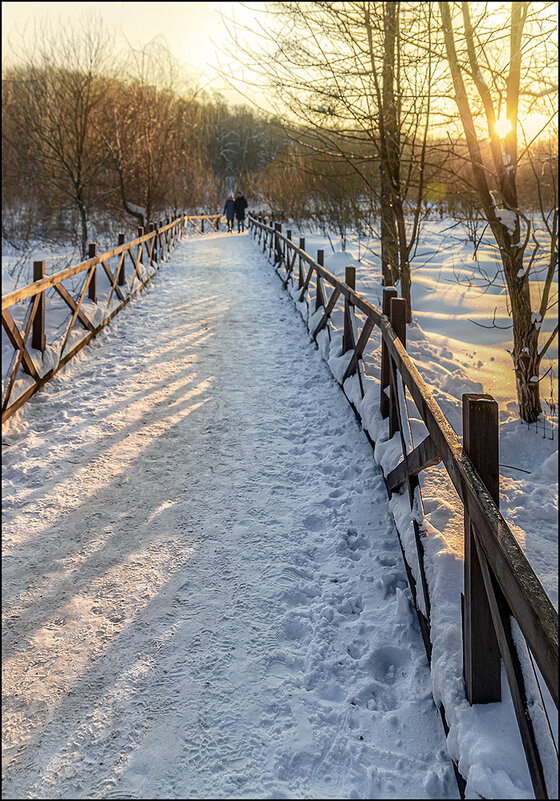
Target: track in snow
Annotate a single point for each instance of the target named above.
(203, 592)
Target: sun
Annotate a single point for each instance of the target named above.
(502, 127)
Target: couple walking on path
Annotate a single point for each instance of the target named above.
(235, 208)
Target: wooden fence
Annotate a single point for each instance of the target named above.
(74, 295)
(501, 590)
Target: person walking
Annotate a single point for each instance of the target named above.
(240, 205)
(229, 211)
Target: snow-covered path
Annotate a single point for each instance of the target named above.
(203, 591)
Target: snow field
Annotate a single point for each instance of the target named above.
(211, 601)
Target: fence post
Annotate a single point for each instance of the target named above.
(397, 314)
(38, 340)
(384, 404)
(121, 280)
(481, 653)
(154, 244)
(301, 279)
(202, 224)
(347, 337)
(277, 248)
(141, 251)
(92, 289)
(319, 300)
(159, 240)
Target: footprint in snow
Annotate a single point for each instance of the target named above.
(389, 664)
(296, 628)
(376, 697)
(313, 523)
(353, 540)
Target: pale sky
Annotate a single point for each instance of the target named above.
(194, 32)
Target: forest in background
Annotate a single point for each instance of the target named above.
(90, 143)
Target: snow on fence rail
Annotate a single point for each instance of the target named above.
(78, 294)
(500, 584)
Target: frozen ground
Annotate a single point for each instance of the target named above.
(203, 594)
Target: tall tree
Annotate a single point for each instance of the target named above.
(511, 227)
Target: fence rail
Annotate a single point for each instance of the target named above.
(76, 296)
(500, 585)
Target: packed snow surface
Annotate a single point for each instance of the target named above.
(203, 590)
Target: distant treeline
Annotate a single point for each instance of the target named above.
(81, 149)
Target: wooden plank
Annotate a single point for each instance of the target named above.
(414, 485)
(306, 284)
(359, 349)
(38, 337)
(398, 324)
(75, 307)
(422, 457)
(291, 256)
(384, 403)
(15, 338)
(289, 268)
(319, 294)
(300, 266)
(19, 354)
(278, 254)
(121, 268)
(77, 311)
(113, 279)
(500, 614)
(328, 311)
(92, 288)
(136, 264)
(481, 653)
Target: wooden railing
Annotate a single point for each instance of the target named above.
(76, 290)
(500, 585)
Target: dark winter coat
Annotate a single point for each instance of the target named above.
(240, 205)
(229, 209)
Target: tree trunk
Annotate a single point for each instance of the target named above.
(84, 228)
(389, 244)
(389, 152)
(525, 353)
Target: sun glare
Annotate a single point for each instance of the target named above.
(502, 127)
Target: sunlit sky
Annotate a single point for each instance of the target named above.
(194, 32)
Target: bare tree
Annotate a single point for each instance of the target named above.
(60, 86)
(145, 130)
(511, 228)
